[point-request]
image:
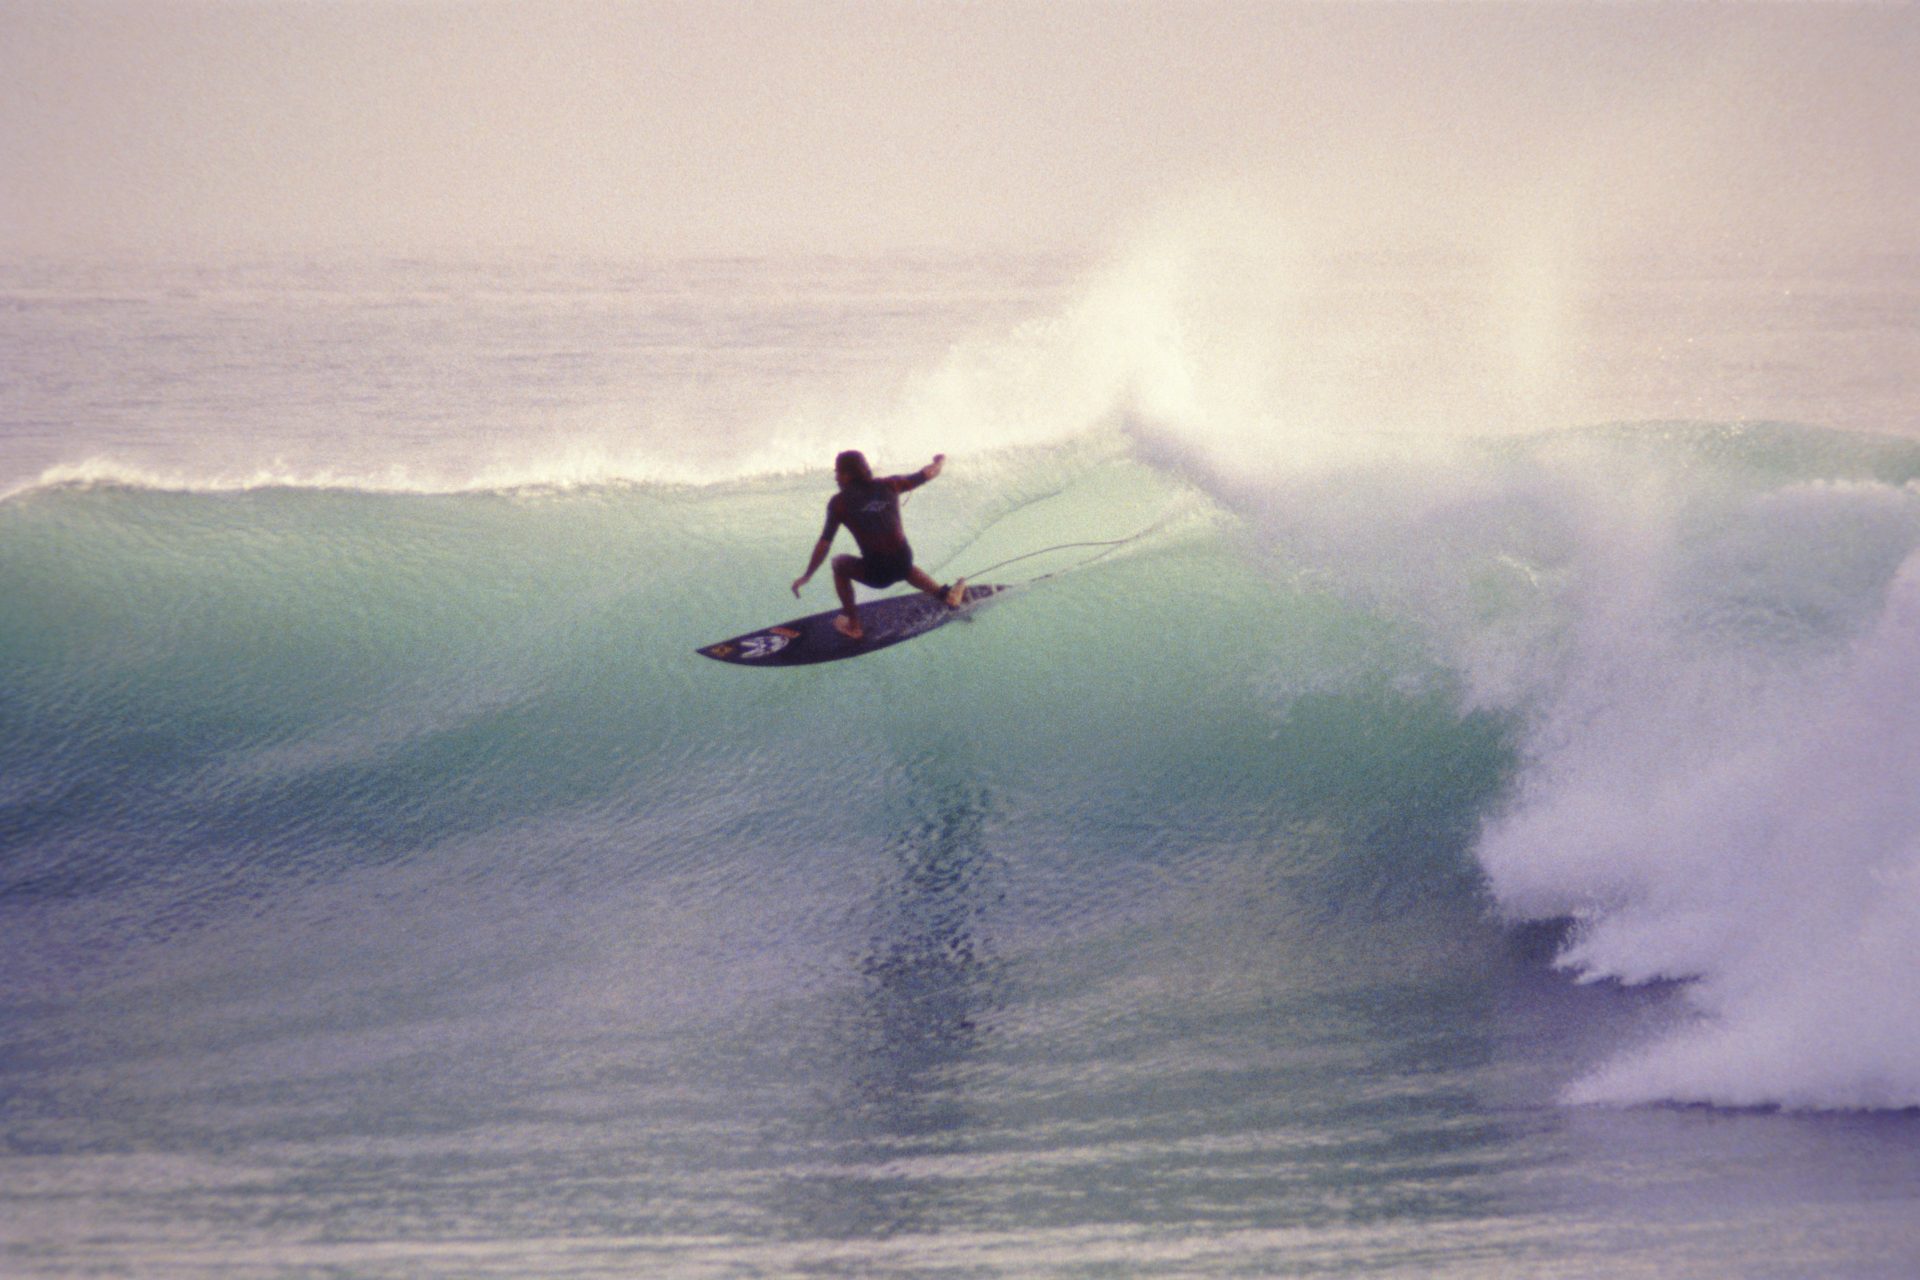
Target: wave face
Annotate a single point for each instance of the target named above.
(1656, 681)
(215, 696)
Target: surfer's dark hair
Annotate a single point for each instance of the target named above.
(854, 463)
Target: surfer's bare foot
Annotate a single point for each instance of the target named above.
(957, 593)
(849, 627)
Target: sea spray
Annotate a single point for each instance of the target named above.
(1699, 626)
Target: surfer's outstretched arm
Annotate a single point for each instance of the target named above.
(913, 480)
(819, 558)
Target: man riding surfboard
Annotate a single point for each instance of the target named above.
(870, 510)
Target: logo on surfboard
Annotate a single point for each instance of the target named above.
(766, 644)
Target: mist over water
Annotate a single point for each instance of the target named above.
(1703, 630)
(1704, 627)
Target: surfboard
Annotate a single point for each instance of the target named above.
(814, 639)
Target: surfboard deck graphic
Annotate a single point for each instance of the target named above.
(813, 638)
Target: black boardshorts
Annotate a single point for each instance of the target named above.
(880, 571)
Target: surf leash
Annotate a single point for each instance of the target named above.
(1111, 545)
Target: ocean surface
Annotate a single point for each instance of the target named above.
(1445, 803)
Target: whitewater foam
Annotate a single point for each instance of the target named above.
(1783, 879)
(1721, 794)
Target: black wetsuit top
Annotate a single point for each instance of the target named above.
(871, 513)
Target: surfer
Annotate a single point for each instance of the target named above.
(870, 509)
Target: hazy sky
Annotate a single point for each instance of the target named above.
(720, 127)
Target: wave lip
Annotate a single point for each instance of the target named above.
(571, 470)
